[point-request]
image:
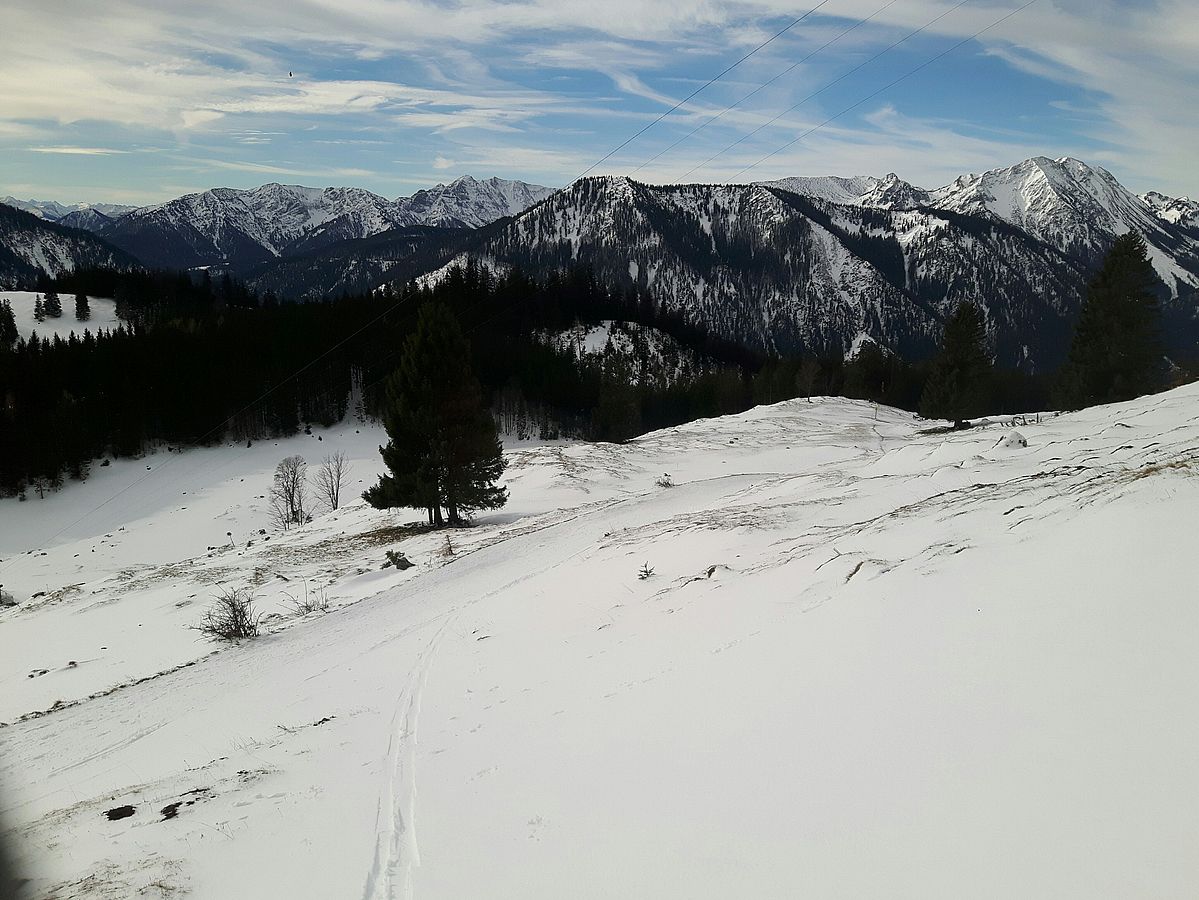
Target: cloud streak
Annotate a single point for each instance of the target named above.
(539, 89)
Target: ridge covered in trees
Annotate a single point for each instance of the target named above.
(201, 360)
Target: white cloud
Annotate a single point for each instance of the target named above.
(159, 70)
(76, 151)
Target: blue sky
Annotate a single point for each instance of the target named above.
(130, 101)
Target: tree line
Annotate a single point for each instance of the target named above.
(199, 360)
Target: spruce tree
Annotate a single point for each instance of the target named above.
(8, 325)
(39, 309)
(443, 450)
(53, 304)
(957, 385)
(83, 310)
(1115, 354)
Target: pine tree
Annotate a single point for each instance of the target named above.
(8, 325)
(443, 451)
(1115, 354)
(53, 305)
(39, 309)
(83, 310)
(957, 386)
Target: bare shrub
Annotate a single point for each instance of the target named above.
(331, 478)
(289, 493)
(317, 601)
(231, 617)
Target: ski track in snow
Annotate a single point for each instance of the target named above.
(397, 851)
(868, 656)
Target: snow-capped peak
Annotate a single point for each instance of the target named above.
(53, 211)
(468, 202)
(1067, 202)
(1176, 210)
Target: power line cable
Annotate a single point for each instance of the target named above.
(699, 89)
(787, 71)
(838, 79)
(887, 86)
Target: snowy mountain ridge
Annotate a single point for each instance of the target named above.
(53, 211)
(31, 245)
(1066, 202)
(774, 270)
(245, 228)
(811, 263)
(1175, 210)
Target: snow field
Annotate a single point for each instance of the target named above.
(871, 662)
(104, 315)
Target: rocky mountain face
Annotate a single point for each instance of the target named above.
(815, 263)
(780, 271)
(799, 263)
(243, 230)
(31, 245)
(468, 203)
(1181, 211)
(357, 266)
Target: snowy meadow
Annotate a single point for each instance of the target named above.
(814, 649)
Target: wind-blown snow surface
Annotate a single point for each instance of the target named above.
(103, 315)
(870, 663)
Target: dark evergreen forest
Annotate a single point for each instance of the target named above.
(200, 361)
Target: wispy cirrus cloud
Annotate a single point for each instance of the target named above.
(539, 89)
(76, 151)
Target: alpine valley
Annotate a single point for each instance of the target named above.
(803, 263)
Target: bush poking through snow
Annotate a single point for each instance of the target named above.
(398, 559)
(317, 601)
(6, 598)
(645, 572)
(665, 482)
(231, 617)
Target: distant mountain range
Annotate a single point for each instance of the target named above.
(798, 263)
(243, 230)
(31, 245)
(52, 211)
(814, 263)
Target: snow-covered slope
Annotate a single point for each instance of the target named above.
(1078, 208)
(87, 219)
(469, 203)
(1176, 210)
(775, 270)
(870, 662)
(888, 192)
(103, 315)
(648, 355)
(224, 226)
(30, 245)
(828, 187)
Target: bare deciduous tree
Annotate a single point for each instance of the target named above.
(289, 493)
(805, 378)
(331, 478)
